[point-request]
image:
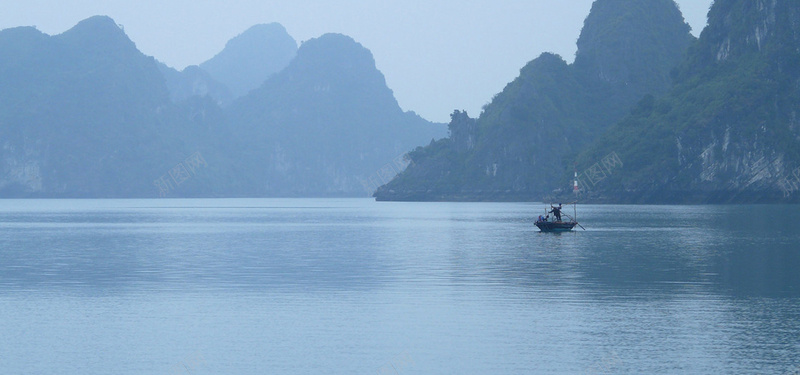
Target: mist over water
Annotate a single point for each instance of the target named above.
(349, 286)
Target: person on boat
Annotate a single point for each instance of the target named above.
(556, 211)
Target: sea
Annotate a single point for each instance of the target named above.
(354, 286)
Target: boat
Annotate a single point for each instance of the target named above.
(556, 226)
(546, 225)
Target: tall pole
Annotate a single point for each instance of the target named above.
(575, 185)
(575, 188)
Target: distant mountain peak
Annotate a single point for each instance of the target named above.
(97, 21)
(621, 38)
(19, 40)
(333, 41)
(262, 30)
(326, 124)
(251, 57)
(337, 37)
(98, 33)
(337, 51)
(97, 25)
(257, 36)
(330, 64)
(21, 32)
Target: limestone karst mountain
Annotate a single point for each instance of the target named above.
(519, 147)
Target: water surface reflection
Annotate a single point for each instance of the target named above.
(344, 286)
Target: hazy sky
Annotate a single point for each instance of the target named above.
(437, 55)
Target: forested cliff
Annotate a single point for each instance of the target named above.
(728, 130)
(521, 143)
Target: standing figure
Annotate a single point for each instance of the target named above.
(556, 211)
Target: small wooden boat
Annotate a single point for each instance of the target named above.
(556, 226)
(545, 225)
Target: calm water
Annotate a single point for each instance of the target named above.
(358, 287)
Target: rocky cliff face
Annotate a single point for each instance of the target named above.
(523, 138)
(750, 153)
(21, 155)
(463, 131)
(736, 29)
(80, 112)
(728, 130)
(22, 169)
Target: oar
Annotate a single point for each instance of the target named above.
(570, 217)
